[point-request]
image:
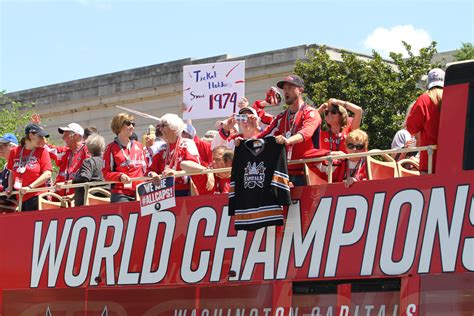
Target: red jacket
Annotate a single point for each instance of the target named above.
(307, 122)
(116, 164)
(265, 117)
(186, 150)
(69, 164)
(342, 172)
(424, 118)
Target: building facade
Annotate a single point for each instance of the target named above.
(155, 90)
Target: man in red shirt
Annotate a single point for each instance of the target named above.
(297, 127)
(70, 162)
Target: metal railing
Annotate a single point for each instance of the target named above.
(329, 159)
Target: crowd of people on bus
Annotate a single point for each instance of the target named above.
(172, 146)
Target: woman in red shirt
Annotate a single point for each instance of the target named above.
(338, 123)
(124, 159)
(424, 115)
(180, 154)
(30, 166)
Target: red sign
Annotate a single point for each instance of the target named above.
(327, 235)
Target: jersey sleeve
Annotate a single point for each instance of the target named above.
(233, 173)
(280, 180)
(108, 170)
(265, 117)
(11, 158)
(311, 121)
(45, 161)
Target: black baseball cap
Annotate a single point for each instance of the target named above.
(293, 79)
(35, 128)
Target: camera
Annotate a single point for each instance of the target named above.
(241, 117)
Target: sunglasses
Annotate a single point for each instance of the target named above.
(128, 123)
(332, 111)
(355, 146)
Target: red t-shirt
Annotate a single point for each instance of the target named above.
(424, 118)
(173, 157)
(305, 122)
(120, 160)
(69, 164)
(36, 162)
(334, 142)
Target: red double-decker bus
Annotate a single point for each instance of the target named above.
(401, 246)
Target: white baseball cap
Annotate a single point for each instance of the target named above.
(435, 78)
(72, 127)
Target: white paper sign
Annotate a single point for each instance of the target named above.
(155, 198)
(213, 90)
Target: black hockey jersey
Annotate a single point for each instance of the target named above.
(259, 185)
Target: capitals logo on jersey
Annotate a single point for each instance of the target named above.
(254, 175)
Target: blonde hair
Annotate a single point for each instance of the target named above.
(408, 113)
(119, 120)
(436, 95)
(358, 136)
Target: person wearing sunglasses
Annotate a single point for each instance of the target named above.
(353, 170)
(180, 154)
(30, 166)
(124, 159)
(338, 123)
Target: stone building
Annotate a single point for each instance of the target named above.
(155, 90)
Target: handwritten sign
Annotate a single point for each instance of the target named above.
(213, 90)
(154, 198)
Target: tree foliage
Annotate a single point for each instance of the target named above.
(14, 116)
(465, 52)
(383, 89)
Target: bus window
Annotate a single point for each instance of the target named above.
(447, 294)
(357, 297)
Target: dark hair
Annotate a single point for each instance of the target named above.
(88, 131)
(24, 139)
(134, 136)
(228, 156)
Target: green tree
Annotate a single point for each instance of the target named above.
(465, 52)
(383, 89)
(14, 116)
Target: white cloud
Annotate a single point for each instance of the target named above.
(385, 40)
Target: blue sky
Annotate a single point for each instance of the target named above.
(47, 42)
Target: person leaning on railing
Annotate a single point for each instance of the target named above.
(181, 154)
(30, 166)
(123, 159)
(353, 169)
(91, 168)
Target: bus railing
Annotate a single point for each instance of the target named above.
(329, 159)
